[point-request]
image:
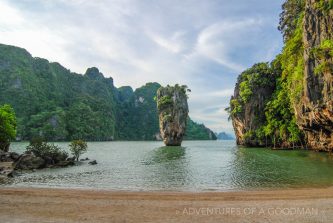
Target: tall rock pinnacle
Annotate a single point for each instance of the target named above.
(173, 112)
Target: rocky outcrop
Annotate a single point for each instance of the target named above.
(315, 114)
(4, 146)
(247, 121)
(6, 169)
(29, 162)
(173, 112)
(93, 162)
(8, 156)
(253, 89)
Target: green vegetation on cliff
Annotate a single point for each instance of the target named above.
(52, 102)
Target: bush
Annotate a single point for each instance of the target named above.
(7, 126)
(77, 148)
(47, 150)
(164, 102)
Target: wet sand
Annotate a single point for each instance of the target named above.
(70, 205)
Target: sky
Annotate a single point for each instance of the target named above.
(202, 44)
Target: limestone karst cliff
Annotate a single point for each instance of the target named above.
(294, 106)
(254, 87)
(173, 113)
(315, 114)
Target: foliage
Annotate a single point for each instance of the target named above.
(289, 18)
(236, 106)
(323, 53)
(260, 75)
(46, 150)
(77, 148)
(281, 121)
(324, 5)
(50, 125)
(164, 102)
(137, 117)
(195, 131)
(7, 126)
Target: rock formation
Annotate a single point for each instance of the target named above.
(315, 115)
(173, 113)
(298, 110)
(247, 110)
(251, 116)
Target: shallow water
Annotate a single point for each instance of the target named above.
(197, 166)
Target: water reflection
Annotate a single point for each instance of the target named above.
(165, 154)
(167, 167)
(253, 168)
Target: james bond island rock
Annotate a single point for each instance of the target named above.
(173, 113)
(292, 107)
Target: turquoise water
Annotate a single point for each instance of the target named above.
(197, 166)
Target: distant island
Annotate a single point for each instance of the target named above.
(224, 136)
(56, 104)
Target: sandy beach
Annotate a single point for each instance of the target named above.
(69, 205)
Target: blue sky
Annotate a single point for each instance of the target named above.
(203, 44)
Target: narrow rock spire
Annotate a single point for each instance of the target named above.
(173, 111)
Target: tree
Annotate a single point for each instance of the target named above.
(77, 148)
(7, 126)
(291, 12)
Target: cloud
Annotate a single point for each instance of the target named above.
(222, 93)
(203, 44)
(218, 40)
(173, 44)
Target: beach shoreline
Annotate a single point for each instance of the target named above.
(82, 205)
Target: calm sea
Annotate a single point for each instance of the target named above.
(196, 166)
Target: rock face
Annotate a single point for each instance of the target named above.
(4, 146)
(249, 119)
(315, 117)
(173, 113)
(93, 162)
(6, 169)
(253, 89)
(29, 162)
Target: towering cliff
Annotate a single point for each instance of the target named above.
(173, 112)
(293, 107)
(315, 112)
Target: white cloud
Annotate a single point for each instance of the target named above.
(9, 16)
(173, 44)
(218, 40)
